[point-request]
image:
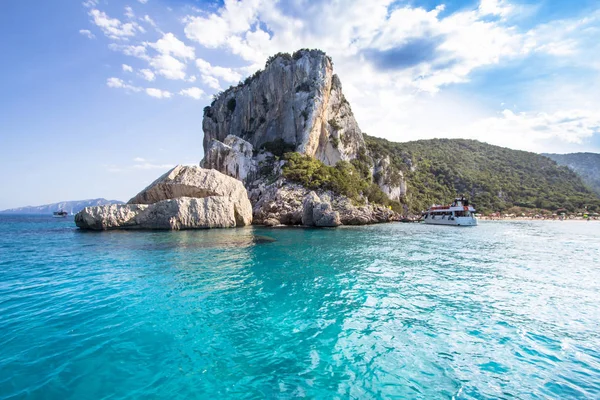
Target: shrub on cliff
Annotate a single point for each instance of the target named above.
(342, 179)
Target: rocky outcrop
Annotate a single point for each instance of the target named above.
(282, 203)
(173, 214)
(389, 179)
(186, 197)
(316, 212)
(196, 182)
(296, 100)
(295, 104)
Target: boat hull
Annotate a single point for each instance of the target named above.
(457, 221)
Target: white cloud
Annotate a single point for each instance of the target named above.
(112, 27)
(130, 50)
(534, 130)
(168, 66)
(193, 92)
(170, 45)
(396, 61)
(211, 32)
(149, 20)
(129, 12)
(143, 1)
(227, 74)
(120, 84)
(90, 3)
(87, 33)
(147, 74)
(495, 7)
(158, 93)
(139, 159)
(127, 68)
(211, 82)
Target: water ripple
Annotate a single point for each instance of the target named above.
(504, 310)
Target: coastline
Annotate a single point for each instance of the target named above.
(577, 219)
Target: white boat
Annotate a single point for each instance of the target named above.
(459, 213)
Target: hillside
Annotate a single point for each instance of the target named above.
(73, 206)
(495, 178)
(586, 165)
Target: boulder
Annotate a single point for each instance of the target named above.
(173, 214)
(308, 205)
(323, 215)
(271, 222)
(316, 212)
(193, 181)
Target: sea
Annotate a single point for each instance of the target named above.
(504, 310)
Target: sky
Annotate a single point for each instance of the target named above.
(100, 97)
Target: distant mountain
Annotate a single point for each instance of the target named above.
(586, 165)
(69, 206)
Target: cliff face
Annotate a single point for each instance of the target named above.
(296, 101)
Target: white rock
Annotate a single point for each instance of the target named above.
(173, 214)
(196, 182)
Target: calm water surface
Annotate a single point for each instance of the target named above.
(404, 311)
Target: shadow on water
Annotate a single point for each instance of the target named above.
(171, 240)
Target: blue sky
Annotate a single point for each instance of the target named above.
(99, 97)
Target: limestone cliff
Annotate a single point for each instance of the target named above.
(295, 99)
(295, 104)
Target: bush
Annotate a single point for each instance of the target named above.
(342, 179)
(334, 141)
(284, 56)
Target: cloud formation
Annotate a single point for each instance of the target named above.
(392, 58)
(193, 92)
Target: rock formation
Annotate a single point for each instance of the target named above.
(186, 197)
(174, 214)
(295, 104)
(193, 181)
(296, 99)
(316, 212)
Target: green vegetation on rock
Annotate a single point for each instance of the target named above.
(342, 179)
(495, 178)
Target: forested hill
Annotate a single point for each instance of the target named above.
(586, 165)
(495, 178)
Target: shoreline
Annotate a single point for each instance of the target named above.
(578, 219)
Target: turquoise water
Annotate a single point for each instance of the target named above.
(503, 310)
